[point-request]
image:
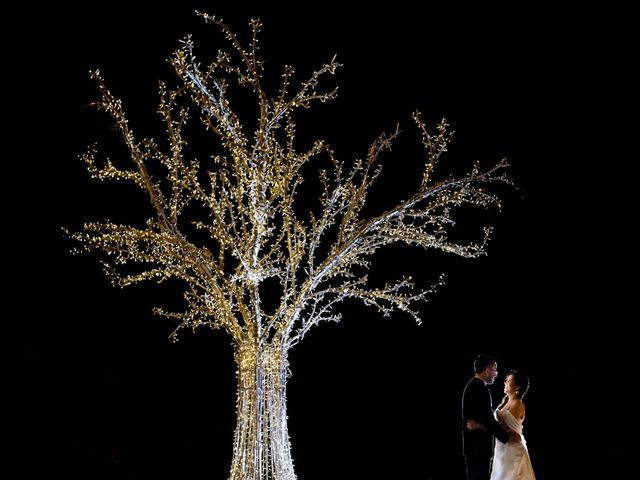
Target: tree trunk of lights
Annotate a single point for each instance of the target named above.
(261, 448)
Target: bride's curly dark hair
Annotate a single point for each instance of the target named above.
(521, 381)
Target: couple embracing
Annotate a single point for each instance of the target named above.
(481, 424)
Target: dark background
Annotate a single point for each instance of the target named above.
(95, 388)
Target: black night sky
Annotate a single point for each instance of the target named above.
(97, 391)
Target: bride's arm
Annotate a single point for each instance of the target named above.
(473, 425)
(514, 437)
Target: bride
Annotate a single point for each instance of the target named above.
(511, 460)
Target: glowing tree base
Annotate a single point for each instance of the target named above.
(261, 447)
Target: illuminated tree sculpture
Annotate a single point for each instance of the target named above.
(231, 227)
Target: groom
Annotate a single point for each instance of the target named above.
(476, 405)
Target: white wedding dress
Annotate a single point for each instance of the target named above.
(511, 460)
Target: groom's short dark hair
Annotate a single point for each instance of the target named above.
(483, 361)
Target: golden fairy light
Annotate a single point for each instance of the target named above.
(228, 225)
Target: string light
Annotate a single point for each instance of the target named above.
(244, 202)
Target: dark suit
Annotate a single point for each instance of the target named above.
(478, 444)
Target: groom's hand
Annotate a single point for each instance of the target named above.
(515, 437)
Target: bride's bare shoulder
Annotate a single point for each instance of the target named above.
(517, 409)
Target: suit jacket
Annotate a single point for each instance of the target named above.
(476, 405)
